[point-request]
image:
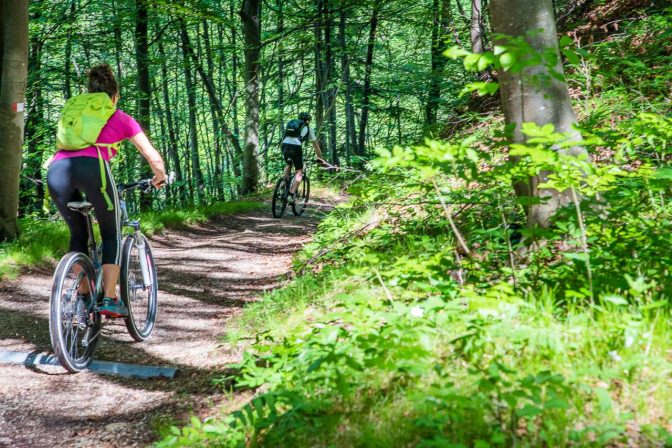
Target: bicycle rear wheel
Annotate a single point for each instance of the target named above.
(140, 299)
(301, 196)
(279, 202)
(74, 326)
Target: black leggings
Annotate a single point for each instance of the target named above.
(68, 180)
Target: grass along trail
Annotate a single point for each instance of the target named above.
(207, 273)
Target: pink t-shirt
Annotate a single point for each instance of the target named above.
(120, 126)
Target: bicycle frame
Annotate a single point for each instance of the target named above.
(94, 255)
(139, 243)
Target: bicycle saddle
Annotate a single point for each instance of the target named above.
(80, 206)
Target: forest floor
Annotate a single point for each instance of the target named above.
(207, 273)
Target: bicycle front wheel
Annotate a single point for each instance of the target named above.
(74, 325)
(301, 197)
(140, 296)
(279, 202)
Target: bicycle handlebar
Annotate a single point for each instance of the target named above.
(145, 185)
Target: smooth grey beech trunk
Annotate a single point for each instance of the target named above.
(251, 17)
(525, 99)
(476, 27)
(13, 80)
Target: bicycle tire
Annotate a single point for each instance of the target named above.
(301, 196)
(62, 312)
(279, 201)
(141, 317)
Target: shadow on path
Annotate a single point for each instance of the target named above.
(207, 273)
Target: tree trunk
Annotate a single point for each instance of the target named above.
(366, 93)
(67, 91)
(142, 64)
(281, 70)
(525, 99)
(116, 31)
(144, 89)
(32, 188)
(197, 173)
(320, 100)
(350, 131)
(13, 80)
(172, 138)
(440, 32)
(251, 18)
(476, 27)
(330, 88)
(217, 128)
(234, 73)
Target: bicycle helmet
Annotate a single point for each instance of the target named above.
(304, 116)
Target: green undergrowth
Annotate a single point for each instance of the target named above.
(425, 313)
(153, 222)
(42, 241)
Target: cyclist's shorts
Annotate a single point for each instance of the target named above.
(293, 155)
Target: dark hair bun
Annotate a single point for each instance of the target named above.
(101, 79)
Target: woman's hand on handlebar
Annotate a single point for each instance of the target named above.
(159, 180)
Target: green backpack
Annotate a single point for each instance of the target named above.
(81, 121)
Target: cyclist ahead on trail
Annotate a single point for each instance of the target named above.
(90, 131)
(297, 131)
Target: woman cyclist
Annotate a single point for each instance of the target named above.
(72, 174)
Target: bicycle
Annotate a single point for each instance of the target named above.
(74, 322)
(279, 201)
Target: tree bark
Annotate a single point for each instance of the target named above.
(144, 89)
(526, 99)
(116, 31)
(67, 91)
(366, 93)
(330, 88)
(350, 130)
(13, 80)
(476, 27)
(197, 173)
(440, 32)
(142, 65)
(172, 138)
(320, 99)
(250, 14)
(32, 185)
(281, 70)
(234, 72)
(217, 127)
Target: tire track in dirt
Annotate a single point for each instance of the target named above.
(207, 273)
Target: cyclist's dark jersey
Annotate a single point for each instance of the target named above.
(67, 179)
(292, 151)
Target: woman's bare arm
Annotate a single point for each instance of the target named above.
(152, 156)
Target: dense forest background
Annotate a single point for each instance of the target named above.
(371, 73)
(499, 274)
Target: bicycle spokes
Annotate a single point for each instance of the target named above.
(77, 319)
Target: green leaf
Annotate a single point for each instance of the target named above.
(580, 256)
(507, 60)
(499, 49)
(664, 173)
(614, 300)
(471, 60)
(603, 399)
(529, 411)
(571, 56)
(455, 52)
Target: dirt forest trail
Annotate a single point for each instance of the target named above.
(206, 275)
